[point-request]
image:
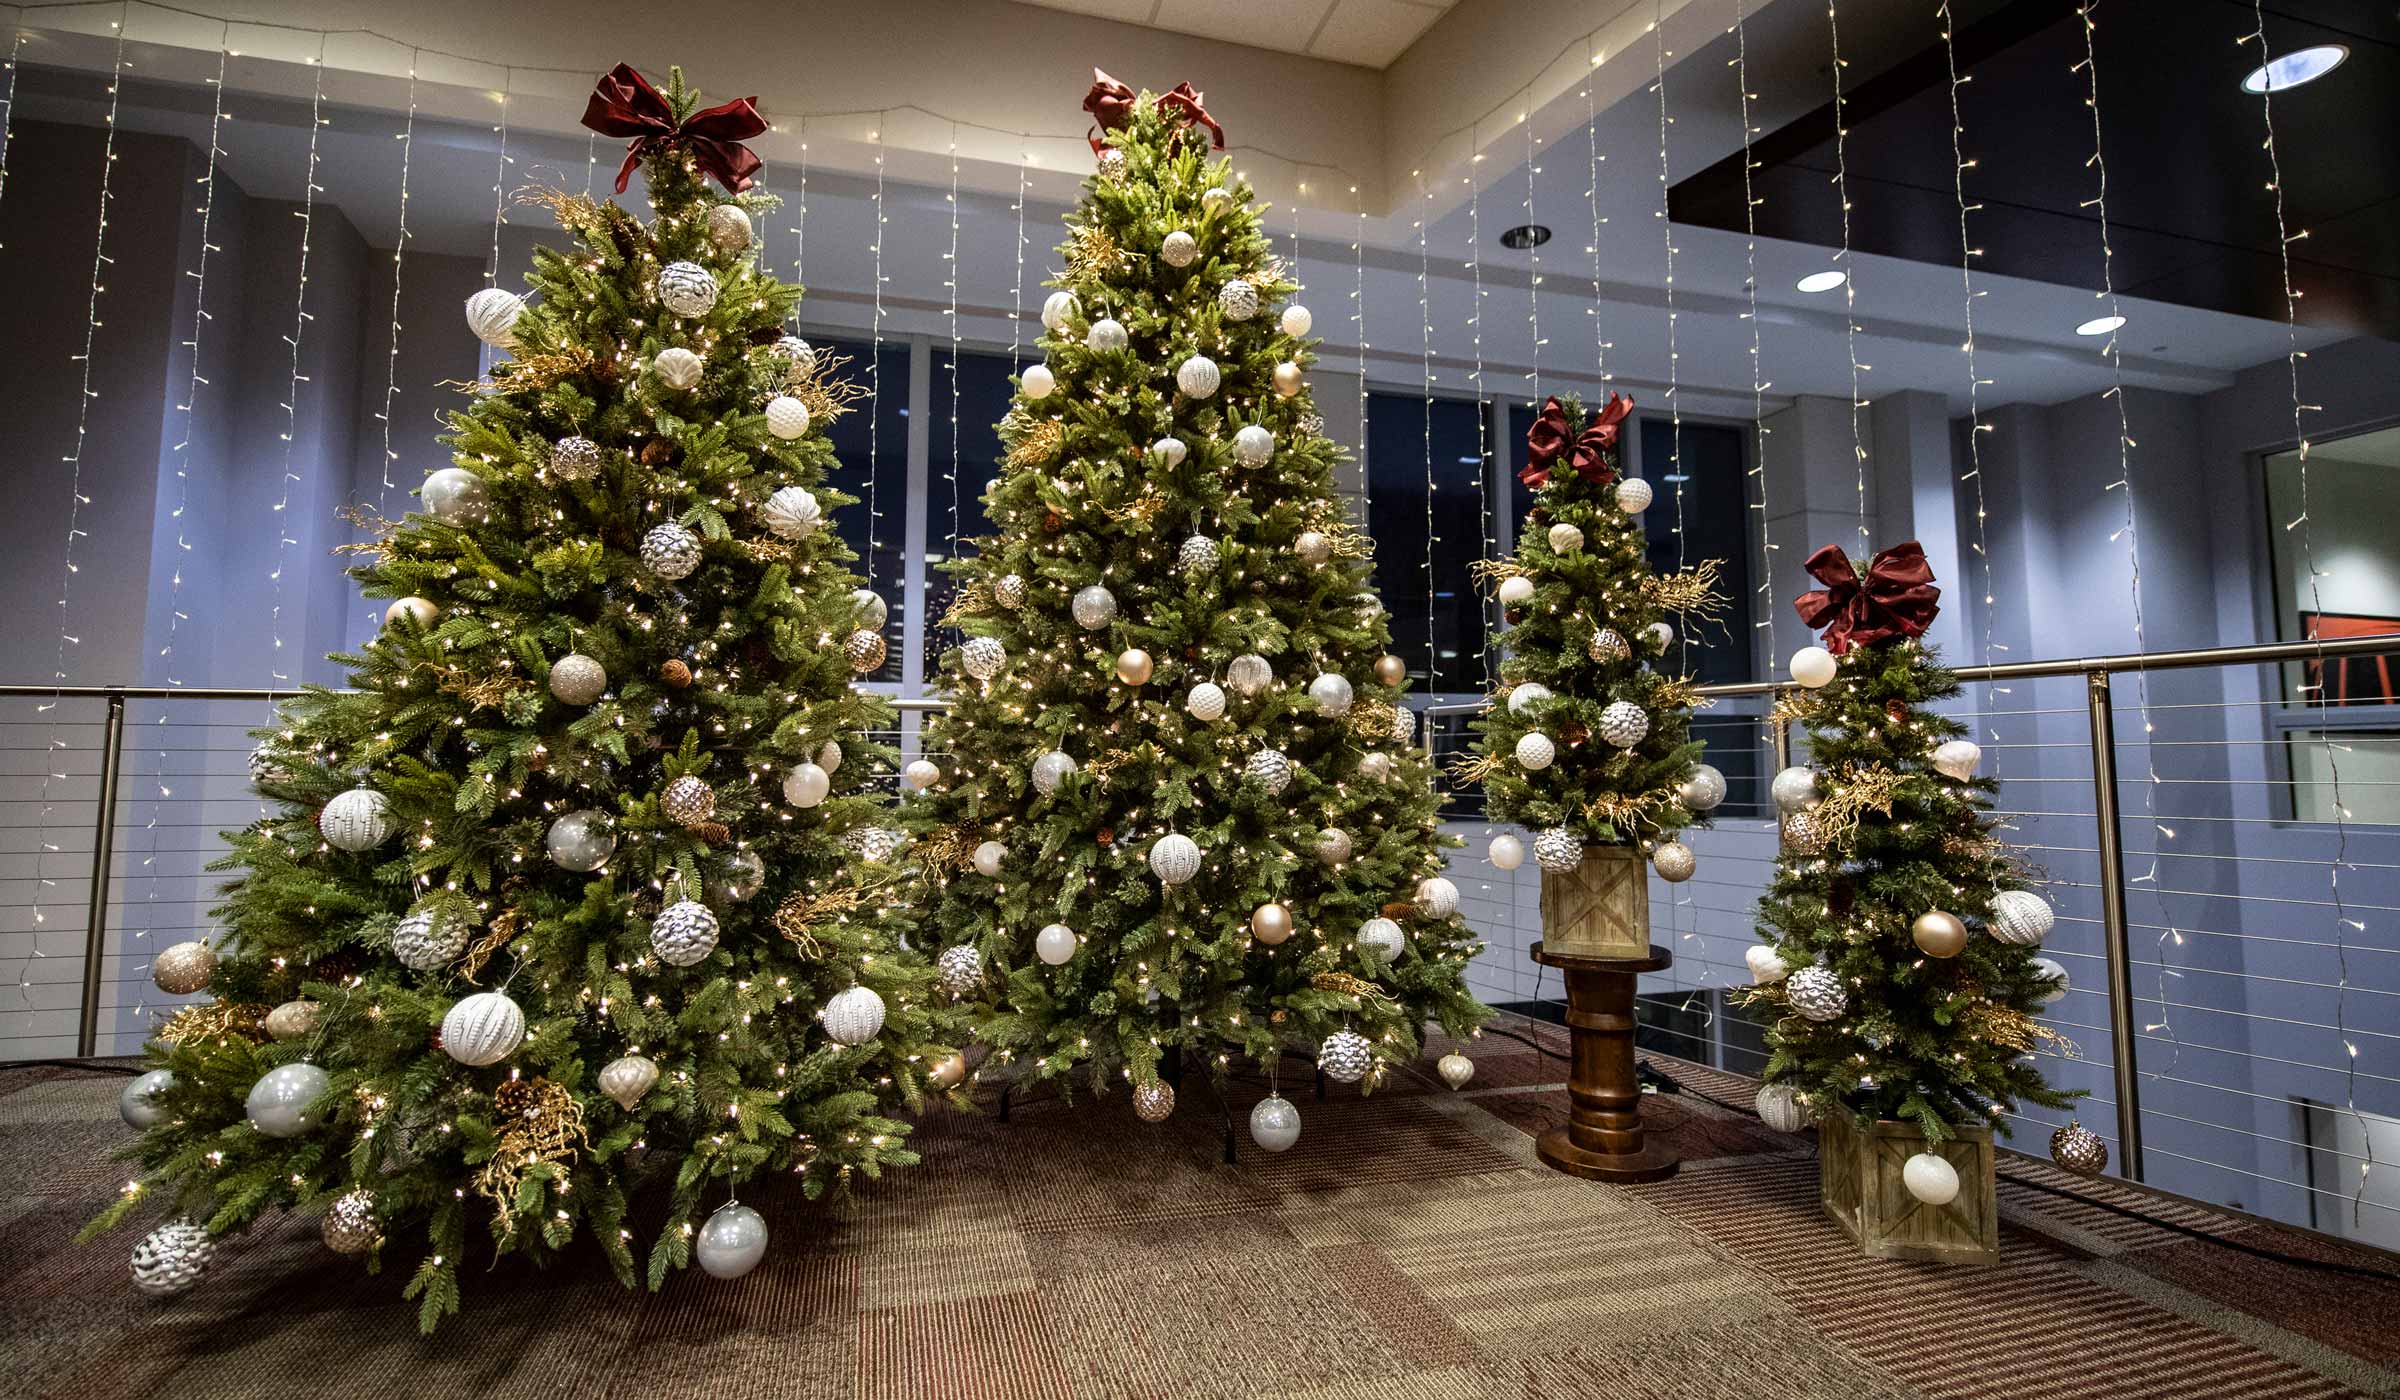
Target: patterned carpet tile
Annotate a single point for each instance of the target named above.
(2358, 1315)
(1696, 1131)
(1069, 1165)
(1352, 1142)
(1713, 1357)
(2091, 1228)
(998, 1348)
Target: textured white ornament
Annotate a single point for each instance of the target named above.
(1333, 845)
(1253, 446)
(577, 679)
(1404, 725)
(1814, 667)
(1269, 769)
(1437, 898)
(357, 820)
(1297, 321)
(492, 315)
(1522, 698)
(988, 858)
(670, 551)
(1197, 377)
(1375, 767)
(1956, 758)
(1455, 1069)
(1779, 1108)
(806, 785)
(1312, 547)
(1633, 495)
(829, 756)
(174, 1257)
(575, 459)
(1345, 1056)
(1794, 788)
(1038, 382)
(1816, 993)
(267, 766)
(1674, 862)
(1515, 589)
(1565, 538)
(184, 968)
(799, 355)
(853, 1016)
(288, 1100)
(1198, 555)
(787, 417)
(2020, 917)
(684, 933)
(1506, 852)
(1767, 966)
(482, 1029)
(1332, 694)
(1703, 788)
(1274, 1123)
(1054, 944)
(456, 496)
(350, 1226)
(1930, 1179)
(731, 1242)
(627, 1078)
(921, 774)
(1607, 646)
(982, 657)
(687, 289)
(1624, 723)
(792, 513)
(1557, 850)
(1009, 592)
(1214, 198)
(1660, 636)
(1178, 249)
(1105, 335)
(1094, 607)
(866, 651)
(2054, 974)
(959, 969)
(1535, 752)
(142, 1104)
(1058, 309)
(1205, 702)
(1238, 300)
(431, 936)
(1175, 858)
(1050, 770)
(1249, 674)
(729, 227)
(1170, 450)
(677, 368)
(688, 801)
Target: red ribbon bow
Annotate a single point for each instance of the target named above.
(1111, 105)
(1183, 105)
(1895, 599)
(623, 104)
(1547, 441)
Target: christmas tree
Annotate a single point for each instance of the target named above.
(573, 891)
(1179, 794)
(1588, 737)
(1902, 972)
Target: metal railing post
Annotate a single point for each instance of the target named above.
(2112, 924)
(104, 841)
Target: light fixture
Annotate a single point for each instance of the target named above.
(2100, 325)
(1525, 236)
(2286, 71)
(1823, 281)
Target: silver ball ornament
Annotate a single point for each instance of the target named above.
(433, 935)
(740, 876)
(1274, 1123)
(1037, 382)
(982, 657)
(1105, 335)
(1253, 446)
(731, 1242)
(792, 513)
(787, 417)
(1198, 555)
(1249, 674)
(1633, 495)
(575, 459)
(806, 785)
(1178, 249)
(1237, 299)
(1380, 939)
(1535, 751)
(1779, 1107)
(1794, 788)
(1174, 858)
(1525, 696)
(1094, 607)
(1332, 695)
(577, 679)
(1702, 789)
(1050, 770)
(142, 1104)
(288, 1100)
(853, 1016)
(1607, 646)
(1296, 321)
(1506, 852)
(456, 496)
(357, 820)
(1059, 309)
(2020, 917)
(988, 858)
(1197, 377)
(1170, 450)
(1269, 769)
(1009, 592)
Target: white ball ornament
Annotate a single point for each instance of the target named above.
(1930, 1178)
(1269, 769)
(1345, 1056)
(787, 417)
(1312, 547)
(1094, 607)
(1175, 859)
(792, 513)
(829, 756)
(1557, 850)
(1253, 446)
(141, 1105)
(1659, 635)
(1516, 589)
(1565, 538)
(1522, 698)
(1437, 898)
(1214, 198)
(1333, 845)
(1779, 1108)
(420, 611)
(671, 551)
(1506, 852)
(1375, 767)
(729, 227)
(1054, 944)
(1050, 770)
(1624, 724)
(577, 679)
(2020, 917)
(806, 785)
(492, 315)
(1205, 702)
(431, 937)
(1767, 966)
(482, 1029)
(1956, 759)
(1058, 309)
(1296, 321)
(1674, 862)
(2053, 974)
(357, 820)
(1535, 752)
(1332, 695)
(1170, 450)
(982, 657)
(988, 858)
(1250, 673)
(1814, 667)
(627, 1078)
(921, 774)
(1794, 788)
(288, 1100)
(684, 933)
(1238, 299)
(959, 969)
(853, 1017)
(184, 968)
(731, 1242)
(173, 1258)
(873, 612)
(1633, 495)
(677, 368)
(456, 496)
(1178, 249)
(1105, 335)
(1275, 1123)
(1703, 789)
(1455, 1069)
(687, 289)
(1038, 382)
(1197, 377)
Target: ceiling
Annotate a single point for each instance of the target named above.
(2191, 214)
(1369, 33)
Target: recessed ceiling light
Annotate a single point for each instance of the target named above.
(1525, 236)
(2286, 71)
(1823, 281)
(2100, 325)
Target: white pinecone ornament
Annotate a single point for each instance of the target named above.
(1624, 723)
(982, 657)
(1269, 769)
(431, 937)
(670, 551)
(350, 1226)
(792, 513)
(959, 969)
(173, 1257)
(1816, 993)
(1345, 1057)
(1606, 646)
(688, 801)
(687, 288)
(684, 933)
(1198, 555)
(1238, 300)
(575, 458)
(1557, 849)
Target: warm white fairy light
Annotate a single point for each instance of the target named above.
(291, 394)
(1533, 285)
(1425, 321)
(1016, 289)
(391, 363)
(800, 223)
(1483, 416)
(1841, 186)
(875, 366)
(1967, 253)
(491, 276)
(1591, 126)
(8, 107)
(1765, 591)
(1358, 317)
(591, 156)
(956, 528)
(1674, 473)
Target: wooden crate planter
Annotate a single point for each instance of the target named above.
(1601, 908)
(1859, 1166)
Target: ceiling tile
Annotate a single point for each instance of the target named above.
(1282, 25)
(1373, 32)
(1127, 11)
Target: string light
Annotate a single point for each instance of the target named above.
(800, 224)
(1591, 123)
(955, 447)
(1016, 289)
(1967, 253)
(391, 364)
(1765, 591)
(1677, 899)
(300, 320)
(875, 367)
(1358, 317)
(8, 107)
(1841, 185)
(1483, 415)
(1425, 319)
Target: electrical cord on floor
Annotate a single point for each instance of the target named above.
(2298, 1261)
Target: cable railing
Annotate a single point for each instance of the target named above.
(2234, 1036)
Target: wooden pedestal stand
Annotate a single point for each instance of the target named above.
(1602, 1139)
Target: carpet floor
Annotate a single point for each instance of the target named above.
(1409, 1248)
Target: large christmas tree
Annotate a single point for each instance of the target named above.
(1588, 737)
(558, 898)
(1902, 969)
(1184, 799)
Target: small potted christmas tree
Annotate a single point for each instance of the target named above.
(1901, 967)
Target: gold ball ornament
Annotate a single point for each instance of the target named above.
(1134, 666)
(1939, 934)
(419, 610)
(1271, 924)
(1390, 669)
(1287, 379)
(729, 227)
(948, 1072)
(866, 651)
(1153, 1103)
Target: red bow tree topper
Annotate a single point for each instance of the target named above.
(1551, 438)
(624, 105)
(1895, 598)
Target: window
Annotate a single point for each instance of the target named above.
(870, 444)
(1427, 544)
(964, 453)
